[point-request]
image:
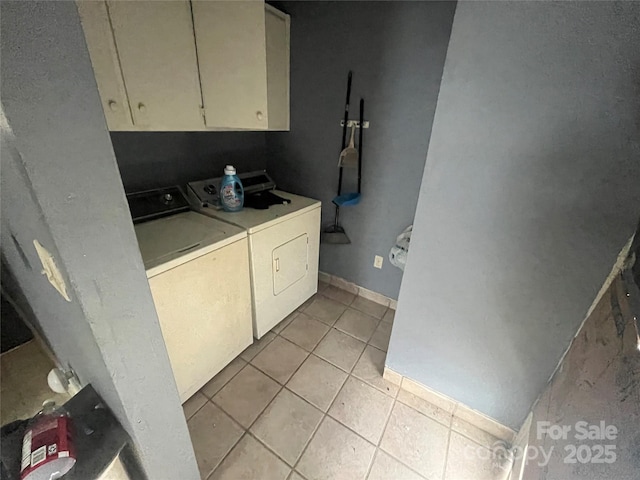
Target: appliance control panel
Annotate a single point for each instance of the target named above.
(206, 193)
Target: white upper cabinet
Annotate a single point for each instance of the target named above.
(106, 66)
(277, 25)
(159, 64)
(230, 36)
(185, 65)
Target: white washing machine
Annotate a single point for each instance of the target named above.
(198, 272)
(284, 244)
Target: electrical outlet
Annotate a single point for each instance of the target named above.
(377, 262)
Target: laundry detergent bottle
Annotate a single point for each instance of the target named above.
(231, 190)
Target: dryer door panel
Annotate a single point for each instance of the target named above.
(290, 263)
(278, 293)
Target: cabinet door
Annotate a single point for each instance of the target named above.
(230, 36)
(158, 57)
(277, 26)
(106, 65)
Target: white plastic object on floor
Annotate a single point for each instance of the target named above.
(57, 381)
(398, 253)
(63, 382)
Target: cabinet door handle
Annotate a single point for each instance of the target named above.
(259, 115)
(277, 264)
(142, 107)
(113, 105)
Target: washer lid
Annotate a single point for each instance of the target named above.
(254, 220)
(168, 238)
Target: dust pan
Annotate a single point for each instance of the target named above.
(335, 234)
(349, 156)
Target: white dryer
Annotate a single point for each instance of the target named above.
(284, 244)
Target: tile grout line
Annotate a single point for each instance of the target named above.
(448, 425)
(210, 399)
(449, 429)
(379, 447)
(324, 414)
(446, 455)
(234, 444)
(199, 408)
(384, 429)
(247, 430)
(283, 386)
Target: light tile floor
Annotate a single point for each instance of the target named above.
(308, 402)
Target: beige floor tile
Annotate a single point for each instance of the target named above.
(280, 359)
(362, 408)
(369, 307)
(425, 407)
(194, 404)
(296, 476)
(250, 460)
(416, 440)
(213, 435)
(474, 433)
(308, 302)
(322, 285)
(340, 349)
(386, 467)
(305, 331)
(287, 425)
(284, 323)
(357, 324)
(325, 309)
(389, 316)
(381, 336)
(255, 348)
(317, 381)
(214, 385)
(469, 461)
(246, 395)
(370, 367)
(339, 295)
(336, 453)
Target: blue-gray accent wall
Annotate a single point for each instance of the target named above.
(60, 186)
(396, 51)
(530, 190)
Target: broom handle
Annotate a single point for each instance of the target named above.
(360, 143)
(344, 128)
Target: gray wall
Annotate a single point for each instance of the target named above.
(529, 192)
(60, 185)
(157, 159)
(396, 51)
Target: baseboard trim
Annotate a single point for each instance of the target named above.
(448, 404)
(351, 287)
